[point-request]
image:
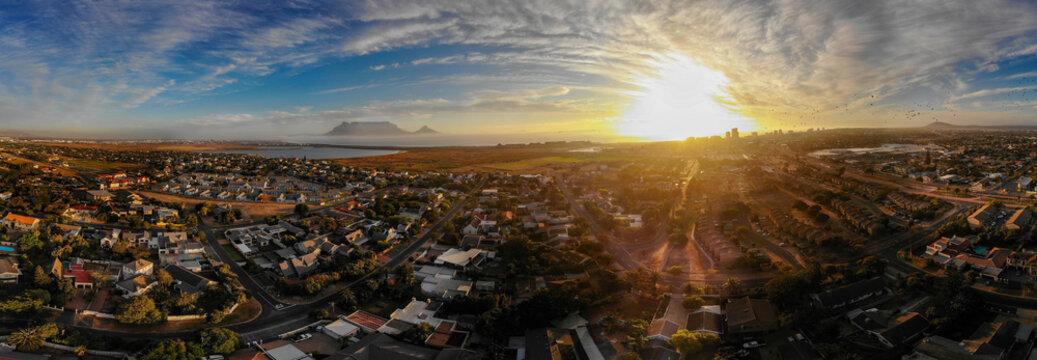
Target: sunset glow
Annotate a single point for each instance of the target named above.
(681, 99)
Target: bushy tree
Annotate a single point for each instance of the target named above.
(170, 349)
(220, 340)
(692, 302)
(688, 342)
(138, 310)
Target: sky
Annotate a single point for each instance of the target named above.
(609, 69)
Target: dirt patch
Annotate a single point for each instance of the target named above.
(249, 209)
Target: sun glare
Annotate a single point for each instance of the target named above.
(678, 101)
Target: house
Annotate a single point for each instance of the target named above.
(558, 344)
(1025, 183)
(472, 227)
(137, 267)
(367, 322)
(1020, 220)
(890, 328)
(951, 246)
(982, 217)
(9, 271)
(462, 259)
(80, 277)
(356, 237)
(850, 294)
(707, 319)
(20, 222)
(445, 288)
(136, 286)
(300, 266)
(672, 320)
(99, 195)
(990, 341)
(340, 328)
(747, 315)
(186, 280)
(287, 352)
(446, 336)
(382, 346)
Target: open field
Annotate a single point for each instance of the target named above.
(14, 160)
(250, 209)
(508, 158)
(100, 166)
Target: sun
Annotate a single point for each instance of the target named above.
(681, 99)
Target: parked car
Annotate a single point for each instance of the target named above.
(754, 344)
(304, 337)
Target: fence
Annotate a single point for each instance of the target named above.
(168, 318)
(112, 354)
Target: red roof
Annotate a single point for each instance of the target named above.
(366, 319)
(81, 276)
(84, 207)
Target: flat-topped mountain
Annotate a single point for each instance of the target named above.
(376, 128)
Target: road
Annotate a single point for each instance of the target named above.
(272, 321)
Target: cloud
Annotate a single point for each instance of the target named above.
(144, 96)
(990, 92)
(80, 64)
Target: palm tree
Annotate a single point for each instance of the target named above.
(32, 339)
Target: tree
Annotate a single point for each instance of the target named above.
(32, 339)
(42, 278)
(302, 210)
(220, 340)
(139, 310)
(629, 356)
(347, 300)
(163, 277)
(732, 286)
(418, 333)
(687, 342)
(675, 270)
(690, 289)
(22, 304)
(693, 302)
(170, 349)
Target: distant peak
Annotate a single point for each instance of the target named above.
(426, 130)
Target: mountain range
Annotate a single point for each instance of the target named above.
(375, 128)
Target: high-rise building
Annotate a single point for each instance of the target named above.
(734, 133)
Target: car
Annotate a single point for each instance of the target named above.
(800, 337)
(304, 337)
(742, 353)
(754, 344)
(213, 357)
(783, 244)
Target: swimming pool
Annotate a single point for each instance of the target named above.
(980, 250)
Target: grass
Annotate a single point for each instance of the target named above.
(234, 254)
(101, 166)
(244, 312)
